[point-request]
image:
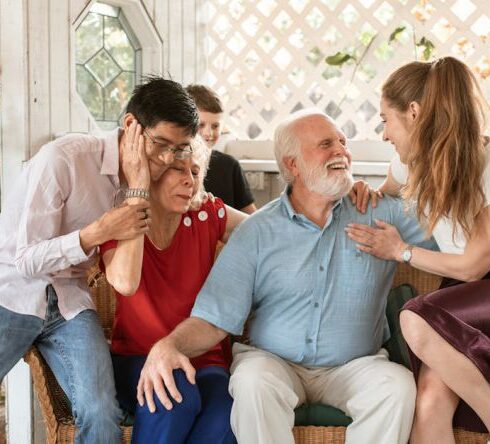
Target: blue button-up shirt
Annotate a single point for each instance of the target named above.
(314, 299)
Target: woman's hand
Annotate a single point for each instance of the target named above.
(383, 242)
(133, 157)
(361, 193)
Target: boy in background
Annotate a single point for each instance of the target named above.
(225, 178)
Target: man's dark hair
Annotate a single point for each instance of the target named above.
(206, 99)
(161, 100)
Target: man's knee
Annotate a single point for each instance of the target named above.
(397, 385)
(250, 381)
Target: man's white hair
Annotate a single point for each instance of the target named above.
(286, 141)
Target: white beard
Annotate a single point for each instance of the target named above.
(328, 183)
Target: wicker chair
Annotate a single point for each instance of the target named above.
(56, 411)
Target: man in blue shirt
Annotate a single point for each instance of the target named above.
(316, 304)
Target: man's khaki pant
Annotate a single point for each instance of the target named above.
(377, 394)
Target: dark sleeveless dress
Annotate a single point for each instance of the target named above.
(460, 313)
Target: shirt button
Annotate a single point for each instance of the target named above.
(321, 268)
(317, 304)
(309, 341)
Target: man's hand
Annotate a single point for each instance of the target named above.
(157, 375)
(383, 242)
(361, 193)
(133, 157)
(124, 222)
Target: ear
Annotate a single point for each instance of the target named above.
(414, 110)
(290, 163)
(128, 120)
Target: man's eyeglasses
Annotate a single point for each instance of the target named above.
(179, 152)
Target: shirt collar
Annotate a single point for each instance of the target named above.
(291, 211)
(110, 153)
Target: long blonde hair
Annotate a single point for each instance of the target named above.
(447, 158)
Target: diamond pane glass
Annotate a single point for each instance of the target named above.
(117, 95)
(89, 37)
(91, 92)
(103, 67)
(117, 43)
(106, 55)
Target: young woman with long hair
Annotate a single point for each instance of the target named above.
(434, 115)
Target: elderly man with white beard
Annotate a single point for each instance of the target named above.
(315, 303)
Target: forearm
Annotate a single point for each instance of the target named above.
(123, 270)
(455, 266)
(390, 187)
(50, 256)
(93, 235)
(472, 265)
(195, 336)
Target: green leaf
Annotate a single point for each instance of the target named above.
(427, 53)
(339, 59)
(396, 33)
(428, 47)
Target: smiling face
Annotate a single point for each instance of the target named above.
(323, 165)
(177, 186)
(397, 127)
(210, 127)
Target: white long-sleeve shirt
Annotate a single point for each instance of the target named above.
(443, 231)
(67, 185)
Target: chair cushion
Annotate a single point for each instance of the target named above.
(321, 416)
(396, 344)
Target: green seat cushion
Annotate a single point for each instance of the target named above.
(321, 416)
(396, 344)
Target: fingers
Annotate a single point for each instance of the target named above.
(381, 223)
(168, 379)
(362, 205)
(365, 248)
(141, 147)
(189, 370)
(353, 196)
(361, 228)
(144, 213)
(148, 389)
(130, 134)
(140, 392)
(162, 394)
(360, 237)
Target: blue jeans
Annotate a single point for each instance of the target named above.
(78, 354)
(203, 416)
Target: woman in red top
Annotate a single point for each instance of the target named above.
(157, 277)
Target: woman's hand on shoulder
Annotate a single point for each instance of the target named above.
(361, 193)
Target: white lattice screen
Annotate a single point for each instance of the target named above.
(266, 58)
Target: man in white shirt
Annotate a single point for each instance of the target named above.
(58, 213)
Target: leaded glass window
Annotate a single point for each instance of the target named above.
(108, 60)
